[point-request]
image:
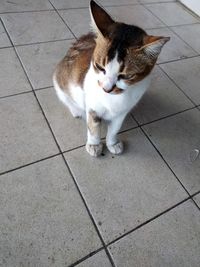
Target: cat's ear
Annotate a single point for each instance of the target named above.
(153, 45)
(100, 19)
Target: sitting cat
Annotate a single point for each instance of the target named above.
(105, 74)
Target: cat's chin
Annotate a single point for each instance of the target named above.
(115, 91)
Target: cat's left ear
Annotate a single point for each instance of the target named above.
(153, 45)
(101, 20)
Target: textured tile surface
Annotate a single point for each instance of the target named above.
(171, 240)
(24, 5)
(175, 48)
(12, 76)
(25, 136)
(59, 4)
(70, 132)
(4, 41)
(117, 2)
(124, 191)
(161, 99)
(172, 13)
(46, 57)
(43, 220)
(186, 74)
(197, 199)
(190, 33)
(99, 259)
(36, 29)
(135, 14)
(177, 138)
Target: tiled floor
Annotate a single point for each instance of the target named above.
(60, 207)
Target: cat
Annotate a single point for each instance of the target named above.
(104, 75)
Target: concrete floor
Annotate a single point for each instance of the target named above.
(59, 206)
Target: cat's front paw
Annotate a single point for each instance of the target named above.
(116, 148)
(94, 150)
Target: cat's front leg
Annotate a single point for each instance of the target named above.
(114, 145)
(94, 146)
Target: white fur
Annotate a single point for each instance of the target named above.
(108, 106)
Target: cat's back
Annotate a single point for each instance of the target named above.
(74, 66)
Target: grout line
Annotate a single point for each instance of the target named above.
(178, 86)
(169, 27)
(23, 11)
(165, 117)
(178, 59)
(28, 164)
(44, 42)
(148, 221)
(62, 19)
(21, 93)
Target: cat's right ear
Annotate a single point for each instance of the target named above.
(101, 20)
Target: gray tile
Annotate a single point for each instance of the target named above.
(46, 57)
(176, 138)
(163, 98)
(71, 17)
(186, 74)
(124, 191)
(135, 15)
(171, 240)
(70, 132)
(59, 4)
(43, 220)
(175, 48)
(33, 27)
(99, 259)
(172, 13)
(155, 1)
(4, 41)
(190, 34)
(25, 136)
(197, 199)
(24, 5)
(117, 2)
(12, 76)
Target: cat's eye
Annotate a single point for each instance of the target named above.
(126, 77)
(97, 66)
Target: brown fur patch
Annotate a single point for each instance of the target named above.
(94, 123)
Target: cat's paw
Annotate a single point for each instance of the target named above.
(94, 150)
(116, 148)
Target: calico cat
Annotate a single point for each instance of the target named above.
(104, 75)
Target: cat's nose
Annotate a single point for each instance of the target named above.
(107, 87)
(109, 90)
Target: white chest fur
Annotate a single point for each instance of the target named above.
(107, 105)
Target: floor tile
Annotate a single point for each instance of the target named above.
(124, 191)
(186, 74)
(189, 33)
(117, 2)
(172, 13)
(163, 98)
(171, 240)
(135, 15)
(25, 136)
(155, 1)
(4, 41)
(43, 220)
(176, 138)
(24, 5)
(175, 48)
(46, 57)
(70, 132)
(99, 259)
(71, 17)
(59, 4)
(197, 199)
(12, 76)
(36, 29)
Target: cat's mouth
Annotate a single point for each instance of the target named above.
(114, 90)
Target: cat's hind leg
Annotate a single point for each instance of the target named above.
(93, 146)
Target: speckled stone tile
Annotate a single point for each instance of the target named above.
(36, 29)
(12, 77)
(176, 138)
(43, 220)
(4, 40)
(197, 199)
(25, 136)
(162, 98)
(99, 259)
(46, 57)
(171, 240)
(124, 191)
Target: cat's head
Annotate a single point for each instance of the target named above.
(124, 54)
